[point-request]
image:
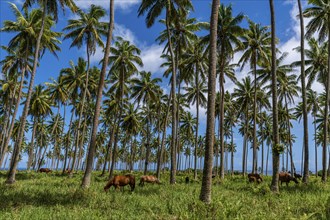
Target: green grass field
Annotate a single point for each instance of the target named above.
(42, 196)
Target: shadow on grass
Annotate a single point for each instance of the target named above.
(13, 199)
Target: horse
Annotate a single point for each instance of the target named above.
(148, 179)
(254, 177)
(286, 178)
(120, 180)
(45, 170)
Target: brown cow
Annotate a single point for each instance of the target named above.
(148, 179)
(254, 177)
(45, 170)
(286, 178)
(119, 180)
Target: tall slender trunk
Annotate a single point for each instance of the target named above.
(303, 93)
(197, 119)
(11, 128)
(275, 177)
(222, 111)
(30, 148)
(245, 147)
(148, 148)
(173, 87)
(232, 150)
(112, 134)
(17, 148)
(326, 108)
(205, 194)
(315, 145)
(159, 163)
(90, 157)
(66, 145)
(267, 159)
(254, 160)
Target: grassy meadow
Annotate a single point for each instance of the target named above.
(52, 196)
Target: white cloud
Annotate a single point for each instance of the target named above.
(150, 54)
(124, 5)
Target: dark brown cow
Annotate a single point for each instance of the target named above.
(286, 178)
(254, 177)
(148, 179)
(45, 170)
(119, 180)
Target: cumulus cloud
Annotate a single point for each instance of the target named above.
(150, 54)
(124, 5)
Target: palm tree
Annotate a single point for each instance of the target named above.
(48, 7)
(320, 22)
(146, 89)
(243, 95)
(303, 92)
(276, 147)
(155, 8)
(86, 29)
(124, 58)
(256, 44)
(205, 194)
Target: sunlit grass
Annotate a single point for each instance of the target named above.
(42, 196)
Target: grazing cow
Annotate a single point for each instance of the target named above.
(148, 179)
(119, 180)
(254, 177)
(187, 180)
(286, 178)
(45, 170)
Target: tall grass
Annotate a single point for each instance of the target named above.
(51, 196)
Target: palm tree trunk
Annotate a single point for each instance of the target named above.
(90, 157)
(112, 134)
(66, 145)
(197, 120)
(7, 138)
(315, 145)
(17, 148)
(148, 148)
(173, 87)
(160, 161)
(303, 93)
(254, 160)
(232, 150)
(275, 178)
(205, 194)
(326, 108)
(30, 150)
(222, 115)
(245, 147)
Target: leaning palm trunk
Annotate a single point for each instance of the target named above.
(205, 194)
(275, 177)
(7, 138)
(17, 147)
(90, 156)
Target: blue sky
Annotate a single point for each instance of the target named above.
(133, 28)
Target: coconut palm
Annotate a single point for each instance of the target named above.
(276, 147)
(87, 29)
(205, 194)
(146, 89)
(154, 8)
(320, 20)
(90, 156)
(256, 44)
(44, 38)
(124, 59)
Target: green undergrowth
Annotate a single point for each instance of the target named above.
(52, 196)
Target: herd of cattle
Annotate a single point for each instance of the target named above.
(122, 180)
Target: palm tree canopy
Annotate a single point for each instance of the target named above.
(87, 29)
